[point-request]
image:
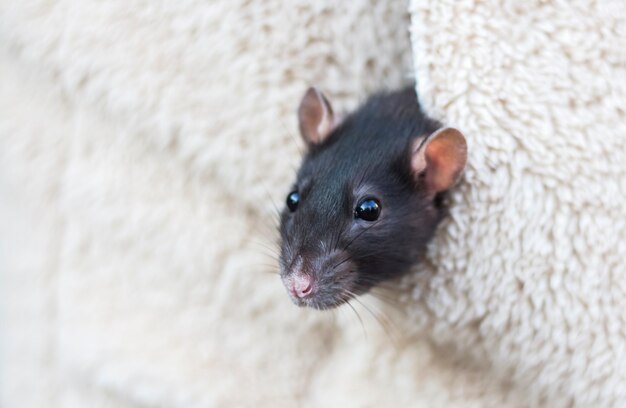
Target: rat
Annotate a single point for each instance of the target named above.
(368, 195)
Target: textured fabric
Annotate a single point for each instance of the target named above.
(529, 274)
(144, 145)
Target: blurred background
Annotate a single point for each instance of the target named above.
(143, 146)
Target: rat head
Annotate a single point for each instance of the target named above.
(367, 197)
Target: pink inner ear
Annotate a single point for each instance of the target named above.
(418, 159)
(441, 160)
(442, 163)
(315, 116)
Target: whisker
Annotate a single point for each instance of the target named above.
(358, 317)
(263, 244)
(255, 268)
(384, 284)
(268, 256)
(337, 239)
(266, 265)
(273, 273)
(362, 256)
(267, 230)
(387, 300)
(383, 321)
(348, 258)
(359, 234)
(277, 213)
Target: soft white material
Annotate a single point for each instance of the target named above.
(529, 275)
(141, 145)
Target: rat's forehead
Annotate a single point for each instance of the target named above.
(340, 190)
(345, 159)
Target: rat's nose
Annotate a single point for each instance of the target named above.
(301, 285)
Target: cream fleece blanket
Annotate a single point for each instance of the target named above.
(142, 145)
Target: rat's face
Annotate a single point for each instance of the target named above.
(362, 208)
(341, 235)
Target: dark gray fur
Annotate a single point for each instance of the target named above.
(367, 155)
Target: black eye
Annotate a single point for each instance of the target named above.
(368, 210)
(292, 200)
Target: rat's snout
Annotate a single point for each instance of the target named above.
(300, 282)
(300, 285)
(321, 281)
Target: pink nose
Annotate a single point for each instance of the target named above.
(301, 285)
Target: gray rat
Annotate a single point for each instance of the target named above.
(368, 195)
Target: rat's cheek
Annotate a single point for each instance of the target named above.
(288, 249)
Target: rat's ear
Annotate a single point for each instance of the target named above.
(316, 117)
(439, 159)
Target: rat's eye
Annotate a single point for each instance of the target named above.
(292, 200)
(368, 210)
